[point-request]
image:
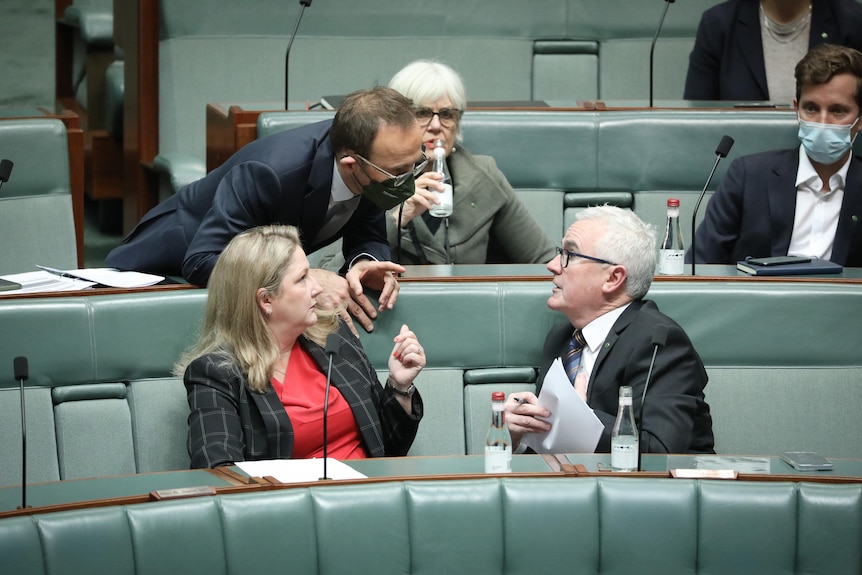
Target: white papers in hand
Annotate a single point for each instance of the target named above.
(299, 470)
(574, 426)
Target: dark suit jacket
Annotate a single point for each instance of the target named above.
(284, 178)
(676, 417)
(229, 422)
(751, 212)
(727, 60)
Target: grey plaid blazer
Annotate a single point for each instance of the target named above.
(229, 422)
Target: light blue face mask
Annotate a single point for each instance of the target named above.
(825, 143)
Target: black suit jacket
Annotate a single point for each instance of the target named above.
(229, 422)
(285, 178)
(751, 212)
(676, 417)
(726, 62)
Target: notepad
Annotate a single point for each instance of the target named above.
(814, 266)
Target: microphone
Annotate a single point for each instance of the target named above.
(652, 48)
(333, 344)
(720, 152)
(305, 4)
(659, 339)
(22, 374)
(5, 171)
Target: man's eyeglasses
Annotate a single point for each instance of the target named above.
(566, 256)
(448, 116)
(400, 178)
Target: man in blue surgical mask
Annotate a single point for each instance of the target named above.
(805, 201)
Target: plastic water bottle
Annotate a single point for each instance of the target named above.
(624, 437)
(671, 260)
(444, 208)
(498, 442)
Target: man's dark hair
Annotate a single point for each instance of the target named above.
(824, 62)
(361, 115)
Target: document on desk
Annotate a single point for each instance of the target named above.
(299, 470)
(42, 281)
(574, 426)
(108, 276)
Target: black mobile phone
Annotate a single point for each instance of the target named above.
(806, 461)
(6, 285)
(778, 260)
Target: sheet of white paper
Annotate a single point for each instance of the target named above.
(40, 281)
(112, 277)
(574, 426)
(299, 470)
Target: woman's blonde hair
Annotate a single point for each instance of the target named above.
(234, 324)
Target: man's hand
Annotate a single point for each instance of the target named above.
(347, 293)
(379, 276)
(522, 415)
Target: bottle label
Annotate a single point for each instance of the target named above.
(624, 453)
(444, 208)
(671, 262)
(498, 459)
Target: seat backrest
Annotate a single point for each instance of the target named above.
(36, 216)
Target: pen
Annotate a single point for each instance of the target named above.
(57, 272)
(519, 400)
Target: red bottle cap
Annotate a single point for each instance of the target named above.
(498, 396)
(672, 203)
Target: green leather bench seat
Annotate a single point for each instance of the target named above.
(90, 39)
(568, 50)
(36, 216)
(559, 162)
(493, 525)
(108, 359)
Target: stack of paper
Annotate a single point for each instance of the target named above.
(54, 280)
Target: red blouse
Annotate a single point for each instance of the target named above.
(302, 394)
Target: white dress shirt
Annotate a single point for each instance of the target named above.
(816, 218)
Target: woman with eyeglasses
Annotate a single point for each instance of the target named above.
(489, 224)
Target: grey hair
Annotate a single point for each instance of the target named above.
(627, 241)
(426, 81)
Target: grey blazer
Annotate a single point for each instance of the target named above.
(489, 224)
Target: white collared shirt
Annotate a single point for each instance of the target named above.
(341, 193)
(816, 218)
(595, 333)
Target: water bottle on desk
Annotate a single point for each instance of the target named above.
(624, 437)
(671, 254)
(498, 442)
(444, 208)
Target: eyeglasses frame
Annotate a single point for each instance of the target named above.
(564, 263)
(400, 178)
(455, 111)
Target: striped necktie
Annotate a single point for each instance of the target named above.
(572, 359)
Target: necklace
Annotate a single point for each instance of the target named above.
(785, 33)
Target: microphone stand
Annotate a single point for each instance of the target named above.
(326, 416)
(720, 152)
(332, 345)
(652, 49)
(305, 4)
(22, 374)
(641, 409)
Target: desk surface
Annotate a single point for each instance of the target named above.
(538, 272)
(121, 489)
(127, 489)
